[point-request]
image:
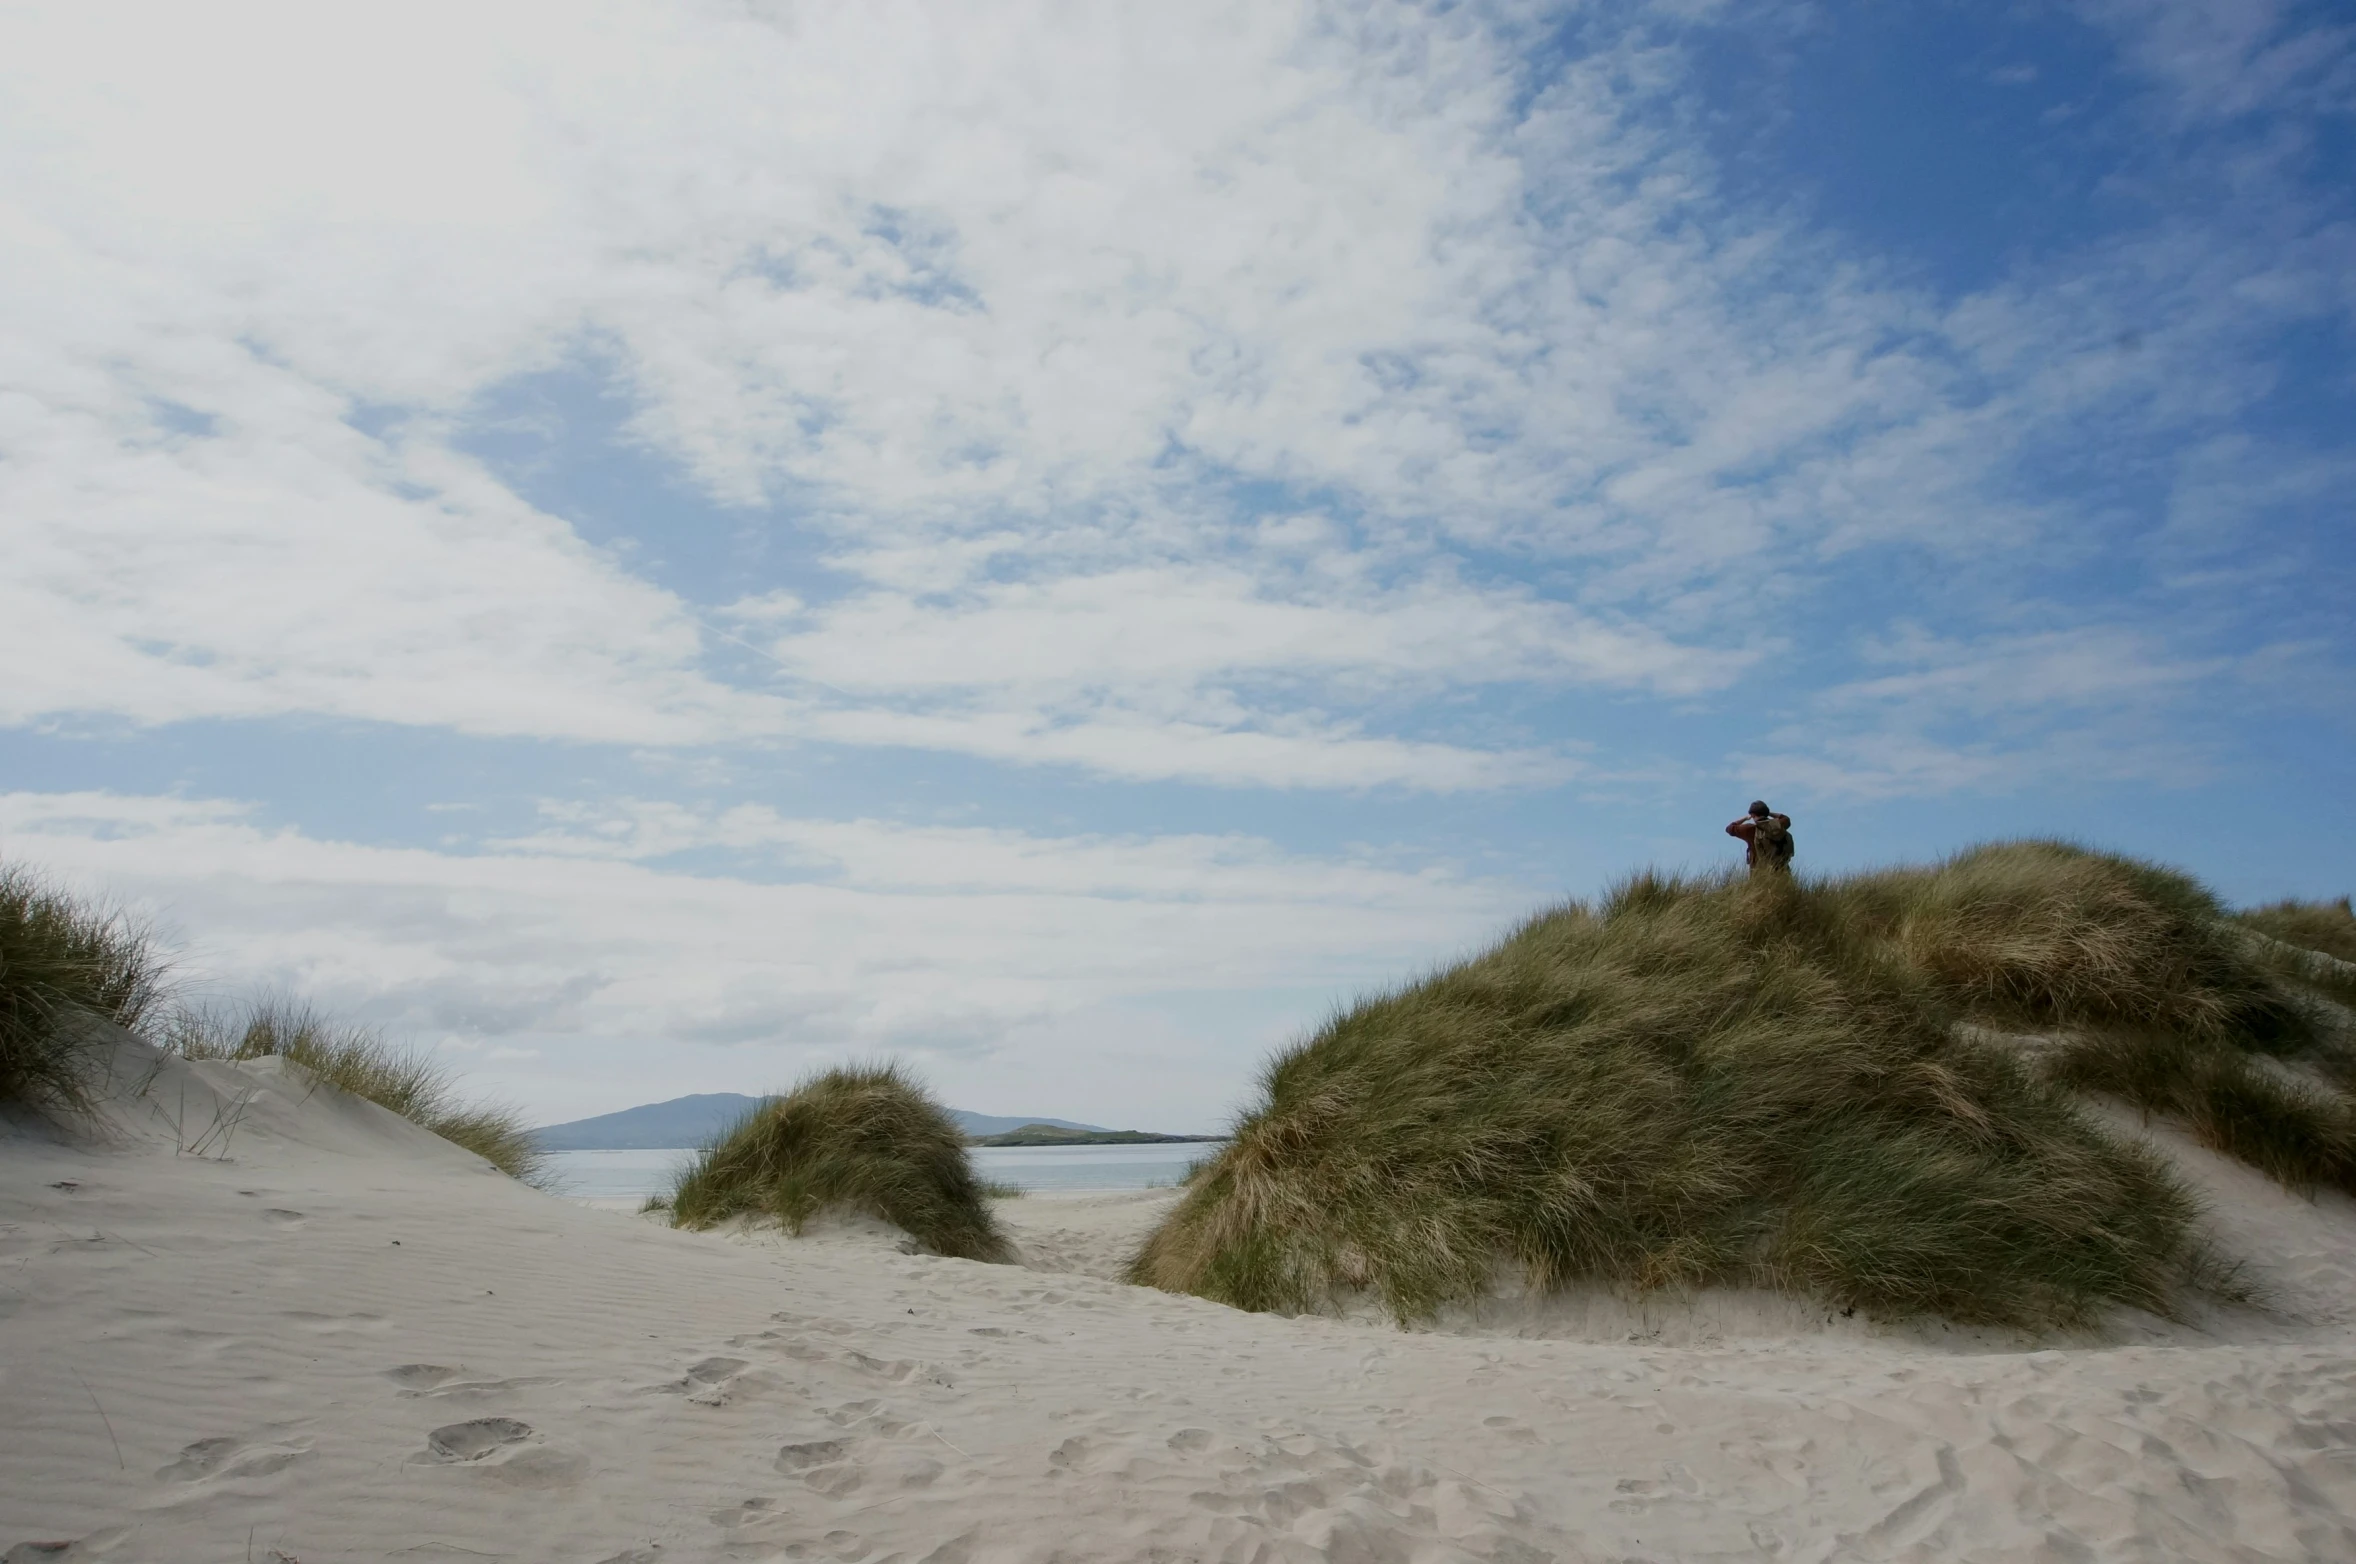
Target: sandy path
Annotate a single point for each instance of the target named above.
(353, 1343)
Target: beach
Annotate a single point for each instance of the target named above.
(336, 1337)
(624, 1179)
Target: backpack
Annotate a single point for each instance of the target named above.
(1772, 841)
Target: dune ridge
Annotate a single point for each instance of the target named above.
(1873, 1091)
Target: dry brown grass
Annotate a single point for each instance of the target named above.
(360, 1060)
(2326, 926)
(65, 961)
(865, 1140)
(1765, 1082)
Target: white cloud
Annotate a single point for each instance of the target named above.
(1010, 303)
(1298, 751)
(2222, 60)
(2090, 667)
(264, 572)
(1188, 626)
(939, 942)
(2007, 713)
(942, 274)
(1179, 669)
(885, 856)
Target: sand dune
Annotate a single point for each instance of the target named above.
(259, 1323)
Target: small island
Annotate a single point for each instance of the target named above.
(1052, 1135)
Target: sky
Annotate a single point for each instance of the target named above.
(650, 549)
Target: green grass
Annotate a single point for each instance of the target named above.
(864, 1140)
(2159, 998)
(1733, 1081)
(2313, 946)
(2326, 926)
(362, 1061)
(61, 960)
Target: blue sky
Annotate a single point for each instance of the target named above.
(648, 549)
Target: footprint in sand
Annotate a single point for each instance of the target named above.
(225, 1457)
(896, 1369)
(870, 1414)
(419, 1376)
(1082, 1454)
(714, 1382)
(198, 1460)
(480, 1387)
(90, 1547)
(278, 1216)
(751, 1512)
(338, 1324)
(823, 1466)
(474, 1439)
(803, 1352)
(812, 1452)
(714, 1371)
(1519, 1433)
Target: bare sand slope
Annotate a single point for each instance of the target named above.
(346, 1341)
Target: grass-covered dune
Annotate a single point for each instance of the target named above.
(2328, 928)
(362, 1061)
(1862, 1090)
(865, 1140)
(66, 962)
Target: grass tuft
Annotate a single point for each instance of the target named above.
(2311, 946)
(360, 1060)
(867, 1140)
(1733, 1081)
(61, 960)
(2326, 926)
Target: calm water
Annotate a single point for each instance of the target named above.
(633, 1175)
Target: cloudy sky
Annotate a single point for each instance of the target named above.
(652, 547)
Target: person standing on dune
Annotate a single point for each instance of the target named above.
(1766, 839)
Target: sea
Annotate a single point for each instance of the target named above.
(633, 1175)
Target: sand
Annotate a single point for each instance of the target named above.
(265, 1323)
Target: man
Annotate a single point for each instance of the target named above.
(1766, 838)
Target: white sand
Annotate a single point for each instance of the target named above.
(347, 1340)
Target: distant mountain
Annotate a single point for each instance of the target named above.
(980, 1124)
(692, 1121)
(658, 1126)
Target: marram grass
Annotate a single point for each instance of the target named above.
(2326, 926)
(362, 1061)
(2313, 944)
(64, 961)
(1764, 1082)
(866, 1140)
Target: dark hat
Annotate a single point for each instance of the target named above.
(1759, 806)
